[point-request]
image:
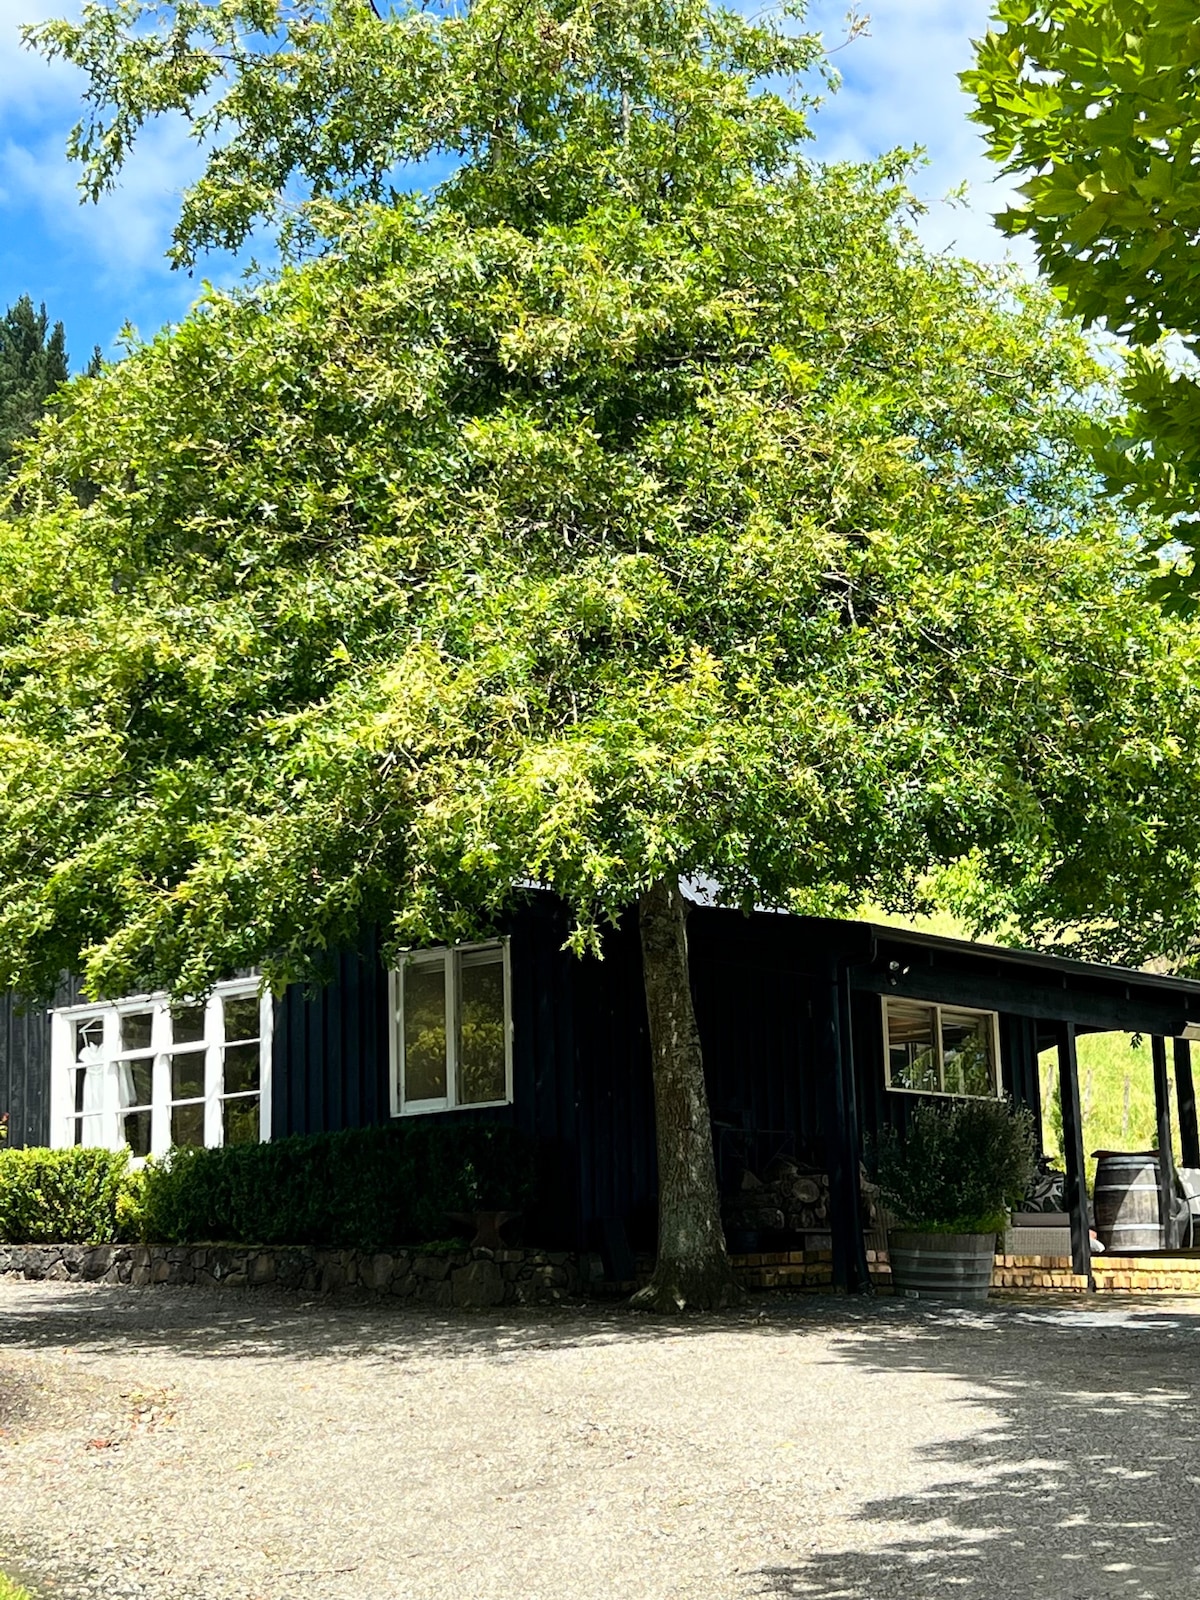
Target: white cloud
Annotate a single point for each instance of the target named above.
(128, 230)
(901, 89)
(30, 86)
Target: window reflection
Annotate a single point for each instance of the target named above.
(912, 1046)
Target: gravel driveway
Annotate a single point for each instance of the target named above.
(206, 1446)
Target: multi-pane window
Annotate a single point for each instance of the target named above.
(934, 1049)
(451, 1029)
(153, 1074)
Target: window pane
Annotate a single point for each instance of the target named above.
(241, 1068)
(80, 1080)
(968, 1066)
(89, 1039)
(481, 1052)
(912, 1046)
(187, 1024)
(241, 1017)
(135, 1030)
(89, 1130)
(240, 1120)
(135, 1130)
(187, 1076)
(187, 1124)
(137, 1082)
(425, 1031)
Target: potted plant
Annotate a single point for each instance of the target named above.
(950, 1180)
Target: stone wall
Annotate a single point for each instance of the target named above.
(467, 1277)
(480, 1277)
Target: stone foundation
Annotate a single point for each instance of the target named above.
(456, 1278)
(478, 1278)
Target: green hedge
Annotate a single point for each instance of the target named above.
(364, 1188)
(67, 1197)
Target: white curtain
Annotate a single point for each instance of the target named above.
(100, 1120)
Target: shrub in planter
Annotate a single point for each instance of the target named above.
(364, 1188)
(950, 1179)
(75, 1196)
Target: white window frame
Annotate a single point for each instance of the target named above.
(937, 1008)
(63, 1065)
(452, 956)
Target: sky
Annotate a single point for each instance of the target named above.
(100, 266)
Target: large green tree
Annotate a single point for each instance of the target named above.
(1096, 103)
(639, 502)
(33, 363)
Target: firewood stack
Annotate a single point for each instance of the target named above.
(789, 1198)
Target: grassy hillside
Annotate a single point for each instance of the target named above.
(1116, 1095)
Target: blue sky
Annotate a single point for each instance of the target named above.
(100, 266)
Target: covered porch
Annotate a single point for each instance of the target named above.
(1042, 1004)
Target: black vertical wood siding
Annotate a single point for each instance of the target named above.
(582, 1082)
(754, 987)
(24, 1071)
(329, 1055)
(581, 1076)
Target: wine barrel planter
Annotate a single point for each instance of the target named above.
(941, 1266)
(1126, 1202)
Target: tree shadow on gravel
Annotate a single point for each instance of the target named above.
(266, 1323)
(226, 1324)
(1088, 1487)
(1079, 1477)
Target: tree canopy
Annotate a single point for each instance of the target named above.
(636, 501)
(33, 363)
(1097, 104)
(303, 108)
(680, 518)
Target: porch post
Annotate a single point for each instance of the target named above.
(845, 1207)
(860, 1273)
(1077, 1200)
(1185, 1099)
(1166, 1157)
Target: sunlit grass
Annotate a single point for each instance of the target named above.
(1116, 1096)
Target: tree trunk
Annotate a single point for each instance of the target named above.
(693, 1269)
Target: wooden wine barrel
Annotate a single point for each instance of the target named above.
(1126, 1202)
(941, 1266)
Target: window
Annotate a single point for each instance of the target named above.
(451, 1029)
(934, 1049)
(153, 1073)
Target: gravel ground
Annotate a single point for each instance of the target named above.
(177, 1445)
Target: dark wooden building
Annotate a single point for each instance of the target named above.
(816, 1035)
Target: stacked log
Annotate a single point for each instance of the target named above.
(789, 1198)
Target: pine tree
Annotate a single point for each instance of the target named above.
(33, 363)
